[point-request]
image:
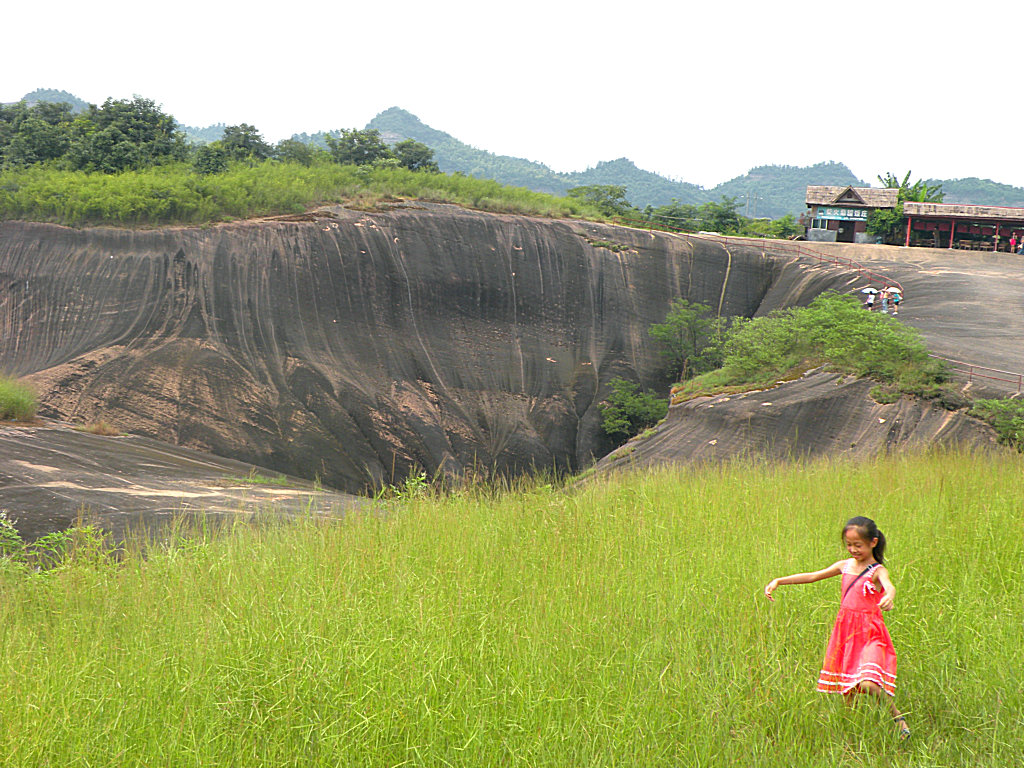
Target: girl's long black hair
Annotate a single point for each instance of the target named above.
(866, 527)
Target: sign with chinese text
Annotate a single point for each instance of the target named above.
(843, 214)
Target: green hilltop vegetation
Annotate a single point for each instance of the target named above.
(176, 194)
(615, 622)
(127, 163)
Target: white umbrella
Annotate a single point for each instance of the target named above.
(869, 289)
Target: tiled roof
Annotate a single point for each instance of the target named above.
(872, 197)
(961, 211)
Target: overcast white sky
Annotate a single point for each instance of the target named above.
(697, 91)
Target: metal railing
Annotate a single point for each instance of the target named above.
(972, 372)
(767, 244)
(791, 248)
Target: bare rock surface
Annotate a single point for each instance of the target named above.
(51, 474)
(355, 346)
(968, 305)
(817, 415)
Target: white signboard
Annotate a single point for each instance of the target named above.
(842, 214)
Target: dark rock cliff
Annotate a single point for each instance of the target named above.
(359, 346)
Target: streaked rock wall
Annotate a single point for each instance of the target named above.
(357, 347)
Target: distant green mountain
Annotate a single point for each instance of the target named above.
(642, 187)
(770, 190)
(205, 135)
(775, 190)
(980, 192)
(453, 155)
(55, 97)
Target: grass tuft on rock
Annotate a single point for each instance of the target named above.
(1005, 416)
(100, 427)
(17, 400)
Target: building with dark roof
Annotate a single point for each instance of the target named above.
(840, 214)
(956, 225)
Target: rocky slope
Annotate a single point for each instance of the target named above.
(52, 475)
(821, 414)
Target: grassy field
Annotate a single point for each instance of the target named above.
(616, 623)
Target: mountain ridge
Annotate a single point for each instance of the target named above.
(769, 191)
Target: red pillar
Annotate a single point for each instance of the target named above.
(906, 243)
(952, 232)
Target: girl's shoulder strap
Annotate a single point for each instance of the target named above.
(868, 571)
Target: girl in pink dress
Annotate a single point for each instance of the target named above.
(860, 657)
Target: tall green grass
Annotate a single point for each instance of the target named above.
(619, 622)
(17, 400)
(175, 194)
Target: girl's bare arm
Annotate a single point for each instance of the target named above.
(889, 595)
(803, 578)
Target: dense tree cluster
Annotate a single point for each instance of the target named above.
(120, 135)
(133, 134)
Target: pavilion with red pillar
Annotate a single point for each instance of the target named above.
(955, 225)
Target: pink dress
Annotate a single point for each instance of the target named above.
(860, 647)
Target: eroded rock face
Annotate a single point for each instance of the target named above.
(357, 347)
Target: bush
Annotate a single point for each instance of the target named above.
(627, 411)
(17, 400)
(833, 331)
(690, 339)
(1006, 416)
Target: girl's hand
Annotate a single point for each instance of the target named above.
(888, 590)
(771, 588)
